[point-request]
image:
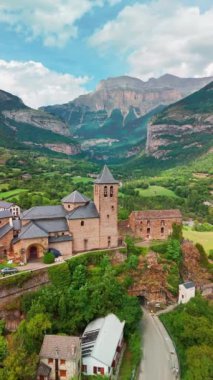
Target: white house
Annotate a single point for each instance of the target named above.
(186, 292)
(60, 355)
(12, 207)
(102, 343)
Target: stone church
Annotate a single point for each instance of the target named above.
(78, 224)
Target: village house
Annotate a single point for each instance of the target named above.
(154, 224)
(102, 344)
(9, 206)
(186, 292)
(6, 232)
(60, 358)
(78, 224)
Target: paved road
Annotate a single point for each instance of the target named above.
(159, 357)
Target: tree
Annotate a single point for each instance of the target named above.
(199, 360)
(3, 349)
(173, 251)
(177, 232)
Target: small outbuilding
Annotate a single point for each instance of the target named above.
(186, 291)
(102, 343)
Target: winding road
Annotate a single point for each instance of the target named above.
(159, 360)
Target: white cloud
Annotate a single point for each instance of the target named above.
(160, 36)
(52, 20)
(36, 85)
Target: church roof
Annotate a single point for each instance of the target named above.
(44, 212)
(52, 225)
(87, 211)
(75, 197)
(105, 177)
(5, 229)
(31, 231)
(5, 214)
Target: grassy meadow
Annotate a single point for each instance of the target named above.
(204, 238)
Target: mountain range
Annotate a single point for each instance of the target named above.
(111, 122)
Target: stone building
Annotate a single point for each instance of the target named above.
(186, 291)
(9, 206)
(154, 224)
(6, 233)
(78, 224)
(60, 356)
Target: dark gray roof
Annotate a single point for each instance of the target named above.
(16, 224)
(31, 231)
(5, 204)
(59, 239)
(105, 177)
(60, 346)
(87, 211)
(52, 225)
(44, 212)
(5, 229)
(5, 214)
(189, 284)
(75, 197)
(43, 370)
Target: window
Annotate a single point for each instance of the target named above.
(111, 191)
(63, 373)
(50, 361)
(68, 206)
(84, 368)
(105, 191)
(82, 223)
(95, 370)
(41, 377)
(62, 361)
(162, 230)
(109, 241)
(101, 370)
(113, 208)
(148, 230)
(162, 222)
(107, 216)
(148, 222)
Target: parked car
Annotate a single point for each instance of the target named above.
(8, 271)
(55, 252)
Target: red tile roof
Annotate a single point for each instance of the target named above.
(157, 214)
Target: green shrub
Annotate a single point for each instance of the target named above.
(48, 258)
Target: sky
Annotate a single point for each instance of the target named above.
(52, 51)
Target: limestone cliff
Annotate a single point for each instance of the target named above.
(21, 125)
(183, 129)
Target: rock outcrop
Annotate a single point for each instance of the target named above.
(183, 129)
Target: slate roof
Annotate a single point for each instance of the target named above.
(75, 197)
(105, 334)
(189, 284)
(59, 239)
(87, 211)
(5, 229)
(43, 370)
(60, 346)
(105, 177)
(52, 225)
(5, 214)
(157, 214)
(44, 212)
(5, 204)
(31, 231)
(16, 224)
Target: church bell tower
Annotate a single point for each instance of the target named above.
(106, 201)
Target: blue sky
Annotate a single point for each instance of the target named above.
(54, 51)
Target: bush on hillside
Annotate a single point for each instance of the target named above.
(48, 258)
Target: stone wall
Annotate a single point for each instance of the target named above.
(153, 229)
(85, 234)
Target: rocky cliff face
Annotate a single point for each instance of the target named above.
(21, 125)
(183, 129)
(119, 109)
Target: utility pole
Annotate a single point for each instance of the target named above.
(56, 364)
